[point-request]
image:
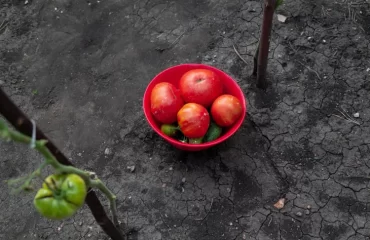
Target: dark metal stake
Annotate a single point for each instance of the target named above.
(264, 43)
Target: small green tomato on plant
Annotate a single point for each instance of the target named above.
(61, 196)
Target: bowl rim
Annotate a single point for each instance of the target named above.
(223, 137)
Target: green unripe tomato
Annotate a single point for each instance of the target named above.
(61, 196)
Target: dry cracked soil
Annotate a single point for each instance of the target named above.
(80, 68)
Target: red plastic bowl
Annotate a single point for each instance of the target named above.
(173, 75)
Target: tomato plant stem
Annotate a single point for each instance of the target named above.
(97, 183)
(26, 186)
(39, 145)
(54, 158)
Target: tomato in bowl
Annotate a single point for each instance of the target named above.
(173, 76)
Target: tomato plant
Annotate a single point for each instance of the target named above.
(193, 120)
(226, 109)
(200, 86)
(165, 102)
(74, 186)
(61, 196)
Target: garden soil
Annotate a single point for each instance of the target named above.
(80, 69)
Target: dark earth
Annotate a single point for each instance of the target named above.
(80, 69)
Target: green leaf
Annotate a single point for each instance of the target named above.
(278, 3)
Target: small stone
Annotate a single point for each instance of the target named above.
(356, 115)
(368, 70)
(107, 151)
(171, 168)
(89, 235)
(324, 41)
(183, 180)
(79, 154)
(214, 56)
(299, 214)
(308, 206)
(207, 58)
(280, 204)
(131, 168)
(281, 18)
(307, 212)
(80, 223)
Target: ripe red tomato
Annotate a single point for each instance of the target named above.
(200, 86)
(193, 120)
(165, 102)
(226, 109)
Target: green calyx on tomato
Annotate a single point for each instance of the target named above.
(61, 196)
